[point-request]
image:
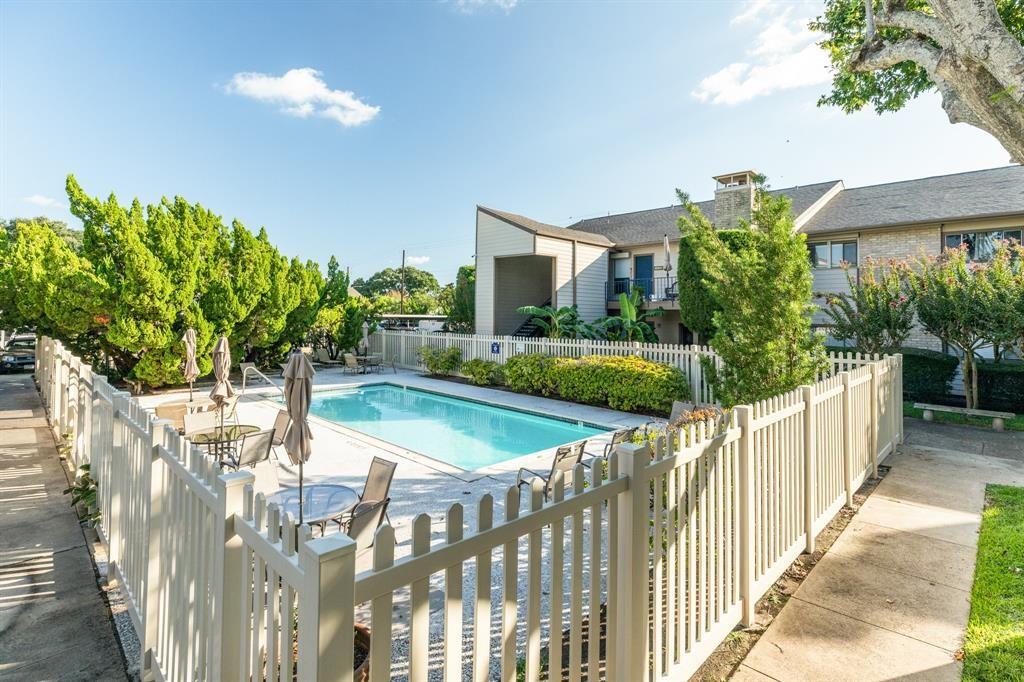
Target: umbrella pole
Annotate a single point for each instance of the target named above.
(190, 391)
(300, 491)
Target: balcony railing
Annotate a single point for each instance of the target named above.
(654, 289)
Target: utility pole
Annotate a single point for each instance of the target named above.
(401, 292)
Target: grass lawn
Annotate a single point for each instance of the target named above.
(994, 646)
(1015, 424)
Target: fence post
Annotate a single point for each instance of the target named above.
(810, 465)
(228, 565)
(873, 444)
(847, 436)
(631, 545)
(153, 562)
(326, 608)
(119, 403)
(899, 396)
(744, 419)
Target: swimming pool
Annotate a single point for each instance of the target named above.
(467, 434)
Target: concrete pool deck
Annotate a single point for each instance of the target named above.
(421, 484)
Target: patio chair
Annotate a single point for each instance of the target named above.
(618, 438)
(322, 357)
(374, 364)
(230, 408)
(174, 413)
(362, 523)
(255, 448)
(199, 421)
(377, 486)
(280, 427)
(352, 365)
(566, 459)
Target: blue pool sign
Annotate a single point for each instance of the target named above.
(495, 348)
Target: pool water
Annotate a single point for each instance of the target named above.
(466, 434)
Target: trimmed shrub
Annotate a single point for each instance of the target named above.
(696, 305)
(441, 362)
(628, 383)
(1001, 386)
(483, 372)
(530, 373)
(927, 374)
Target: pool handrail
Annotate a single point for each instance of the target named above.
(252, 368)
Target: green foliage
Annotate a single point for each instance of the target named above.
(696, 305)
(763, 324)
(994, 643)
(557, 323)
(878, 314)
(959, 302)
(1001, 386)
(83, 491)
(462, 314)
(631, 324)
(71, 237)
(390, 280)
(628, 383)
(483, 372)
(335, 289)
(143, 276)
(440, 362)
(419, 303)
(927, 374)
(339, 328)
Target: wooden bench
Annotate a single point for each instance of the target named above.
(997, 417)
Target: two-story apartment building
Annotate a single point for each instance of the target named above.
(521, 261)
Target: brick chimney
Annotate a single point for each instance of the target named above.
(734, 198)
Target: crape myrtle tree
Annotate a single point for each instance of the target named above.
(878, 313)
(763, 292)
(339, 328)
(966, 305)
(144, 275)
(886, 52)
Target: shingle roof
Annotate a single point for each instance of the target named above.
(650, 226)
(531, 225)
(976, 194)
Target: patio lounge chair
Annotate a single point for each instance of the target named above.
(280, 427)
(618, 438)
(566, 459)
(352, 365)
(255, 448)
(362, 523)
(377, 486)
(321, 357)
(199, 421)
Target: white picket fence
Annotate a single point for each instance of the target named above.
(662, 549)
(402, 348)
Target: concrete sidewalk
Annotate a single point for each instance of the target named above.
(891, 598)
(54, 623)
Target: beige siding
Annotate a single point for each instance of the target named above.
(561, 251)
(829, 281)
(591, 279)
(494, 238)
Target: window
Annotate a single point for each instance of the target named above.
(832, 254)
(980, 245)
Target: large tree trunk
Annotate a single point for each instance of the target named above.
(975, 62)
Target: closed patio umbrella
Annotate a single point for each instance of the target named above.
(191, 369)
(221, 367)
(298, 391)
(668, 256)
(365, 343)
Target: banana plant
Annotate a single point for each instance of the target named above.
(557, 323)
(634, 320)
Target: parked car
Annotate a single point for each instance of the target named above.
(19, 355)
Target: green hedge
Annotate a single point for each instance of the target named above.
(927, 374)
(483, 372)
(627, 383)
(1001, 386)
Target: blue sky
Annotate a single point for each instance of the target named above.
(360, 129)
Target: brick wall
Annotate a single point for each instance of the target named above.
(903, 244)
(731, 204)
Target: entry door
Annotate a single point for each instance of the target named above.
(643, 273)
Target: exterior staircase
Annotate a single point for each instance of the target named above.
(529, 329)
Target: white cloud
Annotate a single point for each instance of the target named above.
(303, 93)
(40, 200)
(783, 55)
(417, 260)
(470, 6)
